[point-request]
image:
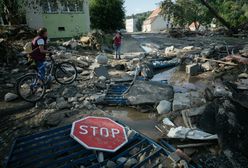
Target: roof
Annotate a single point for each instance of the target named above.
(193, 25)
(153, 16)
(155, 13)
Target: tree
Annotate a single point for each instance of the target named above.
(216, 14)
(10, 10)
(107, 15)
(230, 13)
(185, 12)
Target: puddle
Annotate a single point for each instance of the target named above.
(181, 81)
(142, 122)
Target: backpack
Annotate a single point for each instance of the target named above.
(28, 47)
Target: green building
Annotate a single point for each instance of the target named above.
(62, 18)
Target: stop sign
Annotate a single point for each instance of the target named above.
(99, 133)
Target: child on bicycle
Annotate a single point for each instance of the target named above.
(39, 51)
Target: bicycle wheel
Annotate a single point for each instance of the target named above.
(30, 88)
(65, 73)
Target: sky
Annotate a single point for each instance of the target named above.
(139, 6)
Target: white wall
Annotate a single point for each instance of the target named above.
(34, 16)
(131, 25)
(160, 23)
(146, 28)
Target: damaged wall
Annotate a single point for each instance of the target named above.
(61, 18)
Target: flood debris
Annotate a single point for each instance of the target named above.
(184, 133)
(199, 96)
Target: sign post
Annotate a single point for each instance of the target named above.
(99, 133)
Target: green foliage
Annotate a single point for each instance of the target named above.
(234, 12)
(185, 12)
(107, 15)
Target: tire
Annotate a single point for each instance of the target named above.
(65, 70)
(30, 88)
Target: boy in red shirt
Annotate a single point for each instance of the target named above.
(117, 45)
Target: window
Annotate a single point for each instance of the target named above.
(62, 6)
(61, 28)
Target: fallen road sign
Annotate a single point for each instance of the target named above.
(99, 133)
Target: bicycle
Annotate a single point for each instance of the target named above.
(30, 88)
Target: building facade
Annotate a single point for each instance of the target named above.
(156, 22)
(131, 25)
(62, 18)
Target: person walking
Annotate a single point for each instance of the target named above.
(39, 51)
(117, 45)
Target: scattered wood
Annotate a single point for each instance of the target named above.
(218, 61)
(194, 145)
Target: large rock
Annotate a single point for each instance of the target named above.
(181, 101)
(102, 59)
(188, 100)
(10, 97)
(164, 107)
(147, 92)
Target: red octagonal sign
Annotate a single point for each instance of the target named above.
(99, 133)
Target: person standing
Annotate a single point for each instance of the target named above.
(117, 45)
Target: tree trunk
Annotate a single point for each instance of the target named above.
(217, 16)
(11, 12)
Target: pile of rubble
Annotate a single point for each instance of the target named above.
(94, 40)
(12, 40)
(19, 32)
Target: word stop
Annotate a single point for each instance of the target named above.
(105, 132)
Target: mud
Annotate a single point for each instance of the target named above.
(183, 82)
(142, 122)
